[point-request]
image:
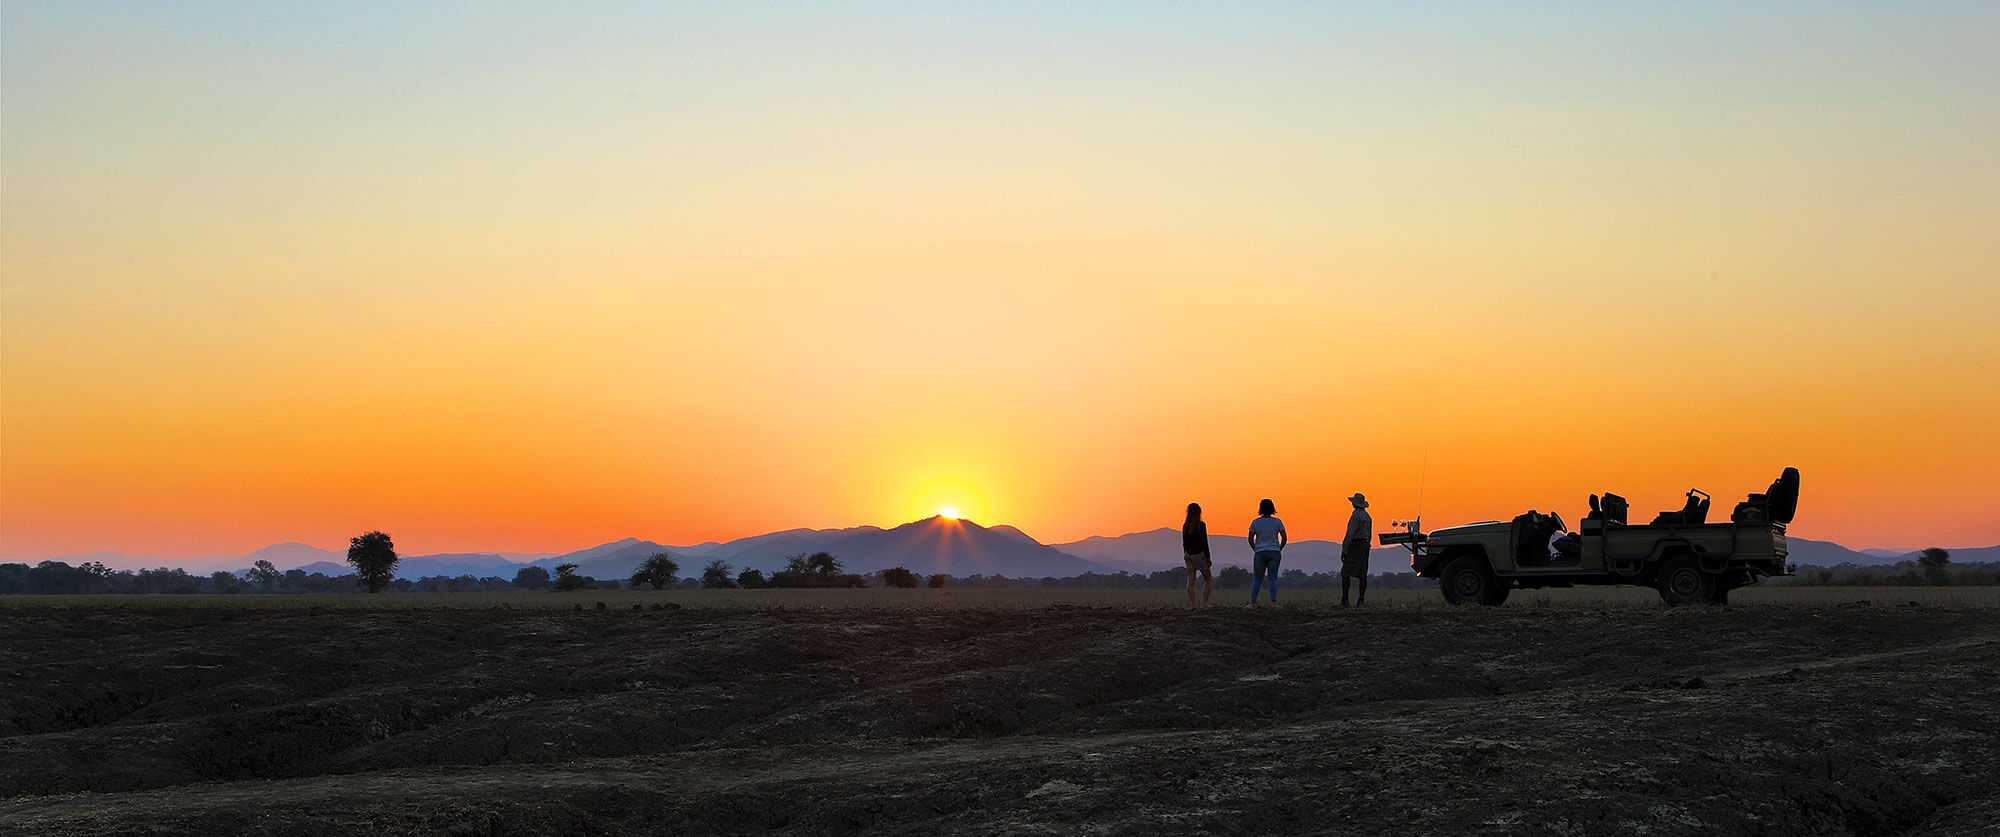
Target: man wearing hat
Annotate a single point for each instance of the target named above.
(1354, 549)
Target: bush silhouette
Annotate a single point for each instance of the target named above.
(752, 579)
(937, 581)
(899, 577)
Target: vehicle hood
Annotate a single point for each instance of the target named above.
(1472, 530)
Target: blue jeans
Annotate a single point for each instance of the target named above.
(1267, 565)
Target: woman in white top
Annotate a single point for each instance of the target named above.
(1267, 539)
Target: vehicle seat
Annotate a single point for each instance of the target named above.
(1696, 510)
(1614, 508)
(1569, 548)
(1753, 510)
(1532, 543)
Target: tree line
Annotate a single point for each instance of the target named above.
(1932, 567)
(373, 556)
(658, 572)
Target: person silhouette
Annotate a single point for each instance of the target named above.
(1194, 543)
(1267, 540)
(1354, 549)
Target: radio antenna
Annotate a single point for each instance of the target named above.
(1422, 477)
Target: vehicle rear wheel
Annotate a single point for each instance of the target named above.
(1468, 580)
(1682, 582)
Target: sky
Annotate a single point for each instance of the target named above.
(531, 277)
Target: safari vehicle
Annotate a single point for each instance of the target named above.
(1690, 560)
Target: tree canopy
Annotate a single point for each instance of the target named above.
(374, 558)
(532, 578)
(567, 579)
(716, 576)
(660, 571)
(264, 574)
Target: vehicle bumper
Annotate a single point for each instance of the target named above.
(1425, 564)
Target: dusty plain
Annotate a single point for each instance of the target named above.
(1803, 711)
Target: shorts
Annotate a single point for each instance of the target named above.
(1354, 559)
(1198, 561)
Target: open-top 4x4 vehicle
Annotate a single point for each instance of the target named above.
(1690, 560)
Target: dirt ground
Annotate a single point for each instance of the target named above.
(1805, 719)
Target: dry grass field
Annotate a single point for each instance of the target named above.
(1792, 711)
(1001, 599)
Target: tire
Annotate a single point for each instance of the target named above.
(1784, 496)
(1468, 580)
(1682, 582)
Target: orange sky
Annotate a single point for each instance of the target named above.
(529, 285)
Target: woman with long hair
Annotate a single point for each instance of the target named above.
(1194, 543)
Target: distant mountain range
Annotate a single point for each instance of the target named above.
(931, 545)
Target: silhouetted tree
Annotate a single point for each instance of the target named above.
(659, 571)
(532, 578)
(899, 577)
(567, 579)
(823, 564)
(1232, 578)
(264, 574)
(752, 579)
(374, 558)
(1936, 563)
(937, 581)
(225, 581)
(795, 573)
(716, 577)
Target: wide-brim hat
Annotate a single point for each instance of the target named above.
(1359, 500)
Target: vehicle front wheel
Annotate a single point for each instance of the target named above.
(1468, 580)
(1683, 582)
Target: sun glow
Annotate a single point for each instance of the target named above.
(947, 496)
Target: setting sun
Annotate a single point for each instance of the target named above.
(947, 495)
